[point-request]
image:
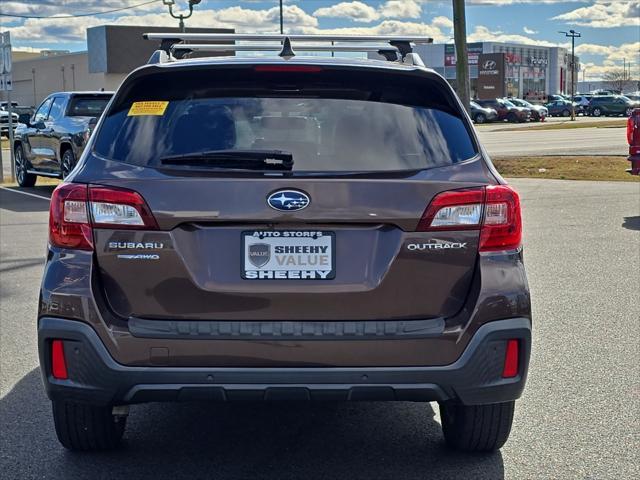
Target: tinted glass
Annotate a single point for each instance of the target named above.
(329, 121)
(56, 108)
(43, 111)
(87, 106)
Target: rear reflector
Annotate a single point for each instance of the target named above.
(77, 208)
(511, 357)
(494, 210)
(58, 362)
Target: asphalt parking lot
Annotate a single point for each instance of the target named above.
(578, 419)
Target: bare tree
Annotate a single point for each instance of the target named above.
(617, 79)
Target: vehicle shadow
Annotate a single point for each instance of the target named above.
(12, 198)
(242, 440)
(631, 223)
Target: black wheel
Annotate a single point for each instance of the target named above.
(67, 163)
(86, 427)
(628, 111)
(566, 113)
(512, 118)
(22, 165)
(596, 112)
(476, 428)
(480, 118)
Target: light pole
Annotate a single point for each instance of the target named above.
(281, 18)
(462, 59)
(181, 17)
(573, 34)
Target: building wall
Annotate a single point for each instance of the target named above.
(35, 78)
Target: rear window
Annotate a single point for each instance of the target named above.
(87, 106)
(329, 120)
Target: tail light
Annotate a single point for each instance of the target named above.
(633, 132)
(494, 210)
(76, 209)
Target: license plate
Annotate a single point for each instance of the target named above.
(288, 255)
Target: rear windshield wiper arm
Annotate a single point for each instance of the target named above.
(235, 159)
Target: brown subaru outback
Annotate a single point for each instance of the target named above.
(286, 228)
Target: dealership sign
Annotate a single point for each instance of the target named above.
(473, 52)
(491, 76)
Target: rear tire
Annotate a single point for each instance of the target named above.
(23, 178)
(480, 118)
(476, 428)
(86, 427)
(628, 112)
(566, 113)
(67, 163)
(596, 112)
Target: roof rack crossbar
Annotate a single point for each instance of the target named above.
(401, 44)
(277, 47)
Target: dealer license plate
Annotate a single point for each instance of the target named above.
(288, 255)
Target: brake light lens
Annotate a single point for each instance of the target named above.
(502, 227)
(58, 362)
(121, 208)
(511, 359)
(69, 225)
(76, 209)
(287, 68)
(633, 132)
(454, 210)
(495, 210)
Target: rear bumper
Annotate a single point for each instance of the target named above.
(96, 378)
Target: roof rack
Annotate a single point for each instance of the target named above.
(393, 48)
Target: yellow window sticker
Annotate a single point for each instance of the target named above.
(147, 108)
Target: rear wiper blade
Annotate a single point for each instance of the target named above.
(235, 159)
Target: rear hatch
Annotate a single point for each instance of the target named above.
(276, 192)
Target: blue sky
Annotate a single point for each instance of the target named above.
(610, 29)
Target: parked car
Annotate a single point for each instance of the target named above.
(605, 105)
(266, 229)
(51, 142)
(481, 114)
(633, 96)
(538, 112)
(559, 108)
(582, 103)
(506, 110)
(4, 122)
(633, 139)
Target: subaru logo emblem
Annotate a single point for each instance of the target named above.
(288, 200)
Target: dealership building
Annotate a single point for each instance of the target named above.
(524, 71)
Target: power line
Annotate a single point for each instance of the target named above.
(104, 12)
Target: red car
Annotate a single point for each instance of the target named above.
(633, 138)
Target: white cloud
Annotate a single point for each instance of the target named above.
(401, 9)
(356, 11)
(529, 31)
(57, 30)
(484, 34)
(604, 15)
(361, 12)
